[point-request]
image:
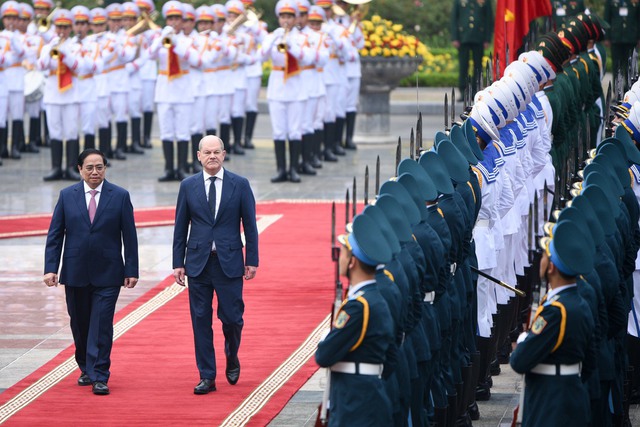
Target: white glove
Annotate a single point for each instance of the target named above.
(130, 67)
(166, 31)
(279, 32)
(16, 43)
(54, 41)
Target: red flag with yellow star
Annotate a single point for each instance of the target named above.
(512, 24)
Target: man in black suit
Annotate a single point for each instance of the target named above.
(213, 203)
(93, 219)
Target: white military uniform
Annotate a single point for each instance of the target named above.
(218, 83)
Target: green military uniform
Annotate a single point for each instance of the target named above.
(563, 10)
(472, 26)
(624, 18)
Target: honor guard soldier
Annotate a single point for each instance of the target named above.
(148, 74)
(623, 17)
(361, 340)
(471, 32)
(86, 90)
(285, 91)
(14, 76)
(130, 17)
(174, 90)
(42, 9)
(63, 62)
(563, 10)
(557, 352)
(258, 31)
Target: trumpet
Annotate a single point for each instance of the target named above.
(282, 46)
(167, 42)
(55, 51)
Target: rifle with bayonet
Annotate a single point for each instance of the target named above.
(323, 411)
(419, 136)
(366, 185)
(412, 146)
(446, 113)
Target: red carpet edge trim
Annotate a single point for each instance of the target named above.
(56, 375)
(261, 395)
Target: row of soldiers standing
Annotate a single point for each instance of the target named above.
(467, 212)
(202, 72)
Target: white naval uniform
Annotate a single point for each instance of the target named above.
(34, 44)
(633, 323)
(196, 75)
(174, 95)
(354, 72)
(286, 98)
(218, 77)
(134, 98)
(8, 58)
(106, 44)
(243, 41)
(62, 107)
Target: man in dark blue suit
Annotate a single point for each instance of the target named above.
(93, 219)
(214, 202)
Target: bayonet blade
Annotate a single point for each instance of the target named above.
(453, 105)
(545, 214)
(412, 146)
(366, 185)
(377, 175)
(346, 208)
(333, 223)
(398, 155)
(419, 135)
(354, 205)
(446, 112)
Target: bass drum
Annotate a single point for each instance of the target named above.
(34, 82)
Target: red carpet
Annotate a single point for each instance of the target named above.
(153, 365)
(38, 224)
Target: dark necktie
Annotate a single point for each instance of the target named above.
(212, 196)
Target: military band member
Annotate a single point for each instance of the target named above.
(218, 78)
(316, 18)
(130, 15)
(14, 76)
(118, 76)
(33, 44)
(174, 90)
(105, 41)
(61, 59)
(313, 83)
(86, 90)
(285, 91)
(254, 77)
(148, 75)
(361, 341)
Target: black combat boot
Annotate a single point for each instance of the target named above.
(351, 126)
(236, 124)
(281, 162)
(56, 161)
(183, 153)
(316, 155)
(73, 151)
(225, 132)
(146, 129)
(15, 139)
(294, 159)
(167, 151)
(248, 129)
(329, 135)
(305, 167)
(195, 142)
(89, 141)
(338, 150)
(121, 140)
(135, 147)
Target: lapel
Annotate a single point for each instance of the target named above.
(81, 202)
(201, 194)
(228, 187)
(105, 198)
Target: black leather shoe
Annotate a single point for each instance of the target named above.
(84, 379)
(233, 371)
(474, 411)
(205, 386)
(100, 388)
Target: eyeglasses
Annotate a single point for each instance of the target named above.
(98, 168)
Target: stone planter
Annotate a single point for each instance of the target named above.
(380, 76)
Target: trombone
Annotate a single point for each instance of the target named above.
(44, 23)
(145, 22)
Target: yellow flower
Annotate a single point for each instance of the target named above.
(375, 19)
(397, 28)
(364, 52)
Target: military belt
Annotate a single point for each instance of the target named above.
(357, 368)
(557, 369)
